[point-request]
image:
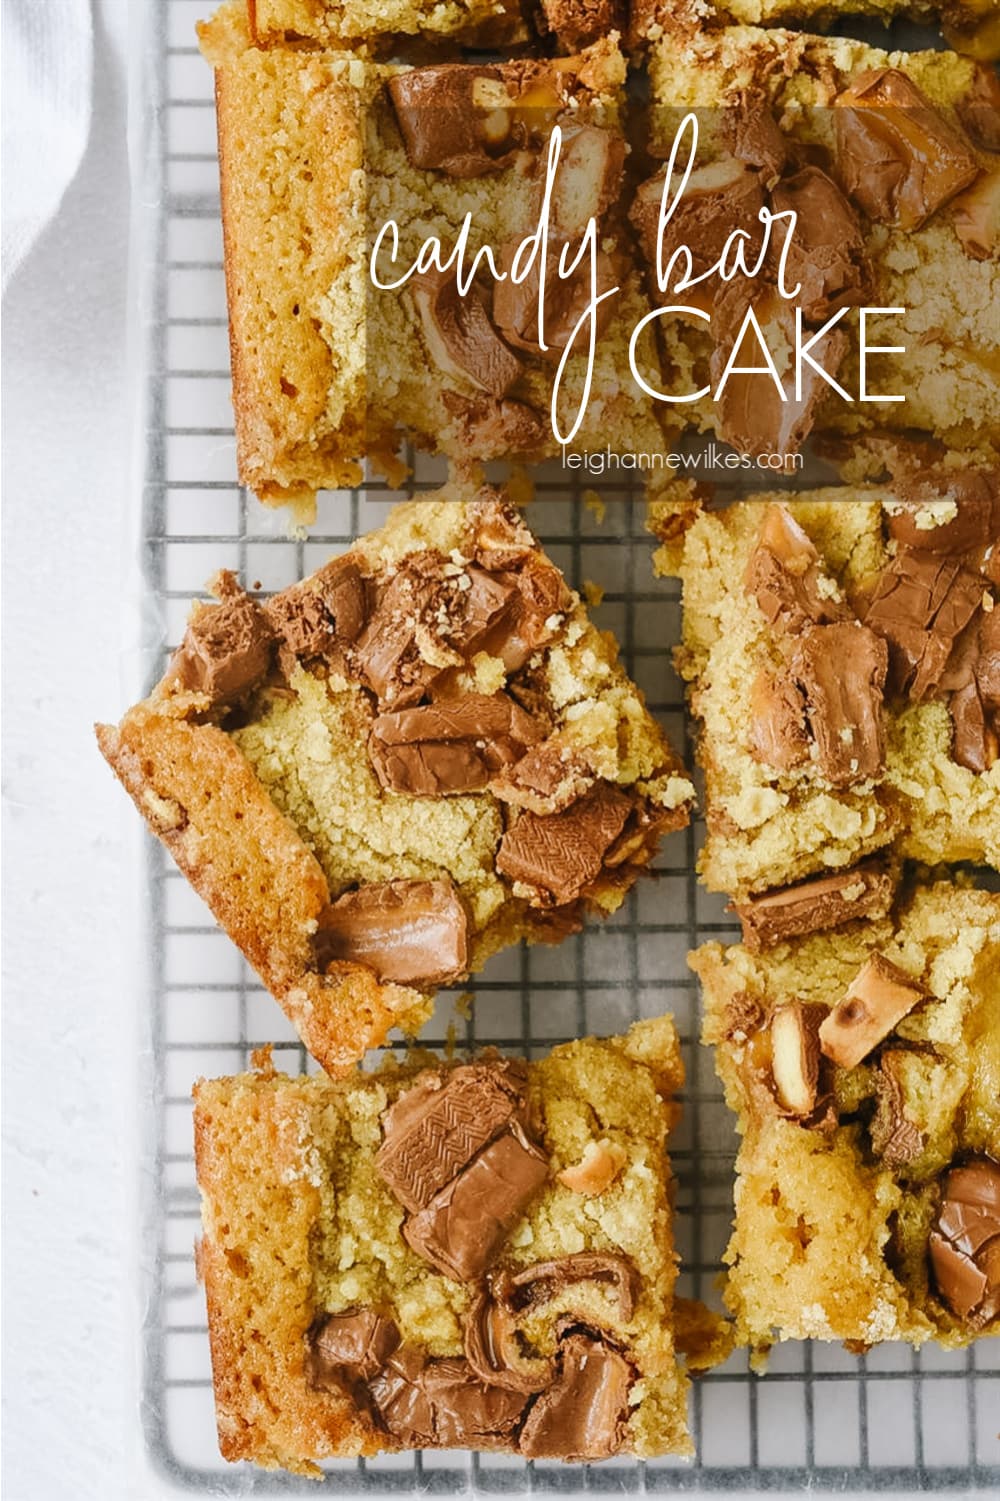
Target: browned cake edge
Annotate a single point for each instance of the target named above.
(201, 798)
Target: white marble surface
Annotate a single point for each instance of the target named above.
(69, 1401)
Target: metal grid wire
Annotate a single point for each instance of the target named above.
(821, 1418)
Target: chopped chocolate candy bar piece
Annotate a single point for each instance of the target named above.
(965, 1242)
(577, 23)
(567, 298)
(877, 999)
(898, 158)
(439, 1125)
(826, 254)
(895, 1138)
(811, 906)
(460, 335)
(582, 1415)
(751, 133)
(784, 576)
(720, 198)
(455, 745)
(350, 1347)
(921, 605)
(561, 853)
(546, 780)
(544, 1280)
(588, 178)
(225, 652)
(795, 1056)
(322, 614)
(976, 518)
(492, 1343)
(778, 733)
(408, 932)
(401, 650)
(979, 108)
(976, 216)
(454, 118)
(841, 670)
(442, 1403)
(500, 538)
(976, 740)
(463, 1228)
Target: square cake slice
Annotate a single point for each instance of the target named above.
(445, 1255)
(447, 25)
(321, 154)
(841, 650)
(887, 163)
(864, 1069)
(386, 773)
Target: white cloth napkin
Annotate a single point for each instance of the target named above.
(47, 84)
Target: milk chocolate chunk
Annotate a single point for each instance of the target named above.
(500, 539)
(542, 1281)
(583, 1414)
(455, 745)
(577, 23)
(898, 158)
(752, 415)
(436, 1127)
(494, 429)
(826, 254)
(442, 1404)
(976, 730)
(455, 118)
(965, 1242)
(320, 616)
(976, 216)
(975, 521)
(495, 1349)
(560, 854)
(460, 335)
(548, 778)
(563, 299)
(841, 670)
(979, 108)
(812, 906)
(720, 197)
(402, 648)
(785, 578)
(750, 132)
(408, 932)
(225, 652)
(463, 1228)
(349, 1347)
(895, 1137)
(921, 605)
(875, 1002)
(778, 733)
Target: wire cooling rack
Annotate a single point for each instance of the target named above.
(822, 1419)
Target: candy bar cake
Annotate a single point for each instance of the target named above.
(864, 1069)
(473, 1255)
(320, 150)
(469, 23)
(386, 773)
(886, 161)
(971, 26)
(842, 651)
